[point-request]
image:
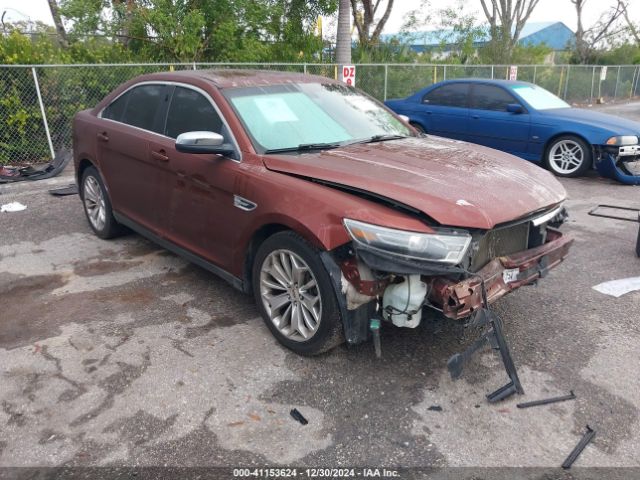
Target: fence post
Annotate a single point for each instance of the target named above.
(491, 72)
(593, 79)
(615, 91)
(44, 115)
(566, 83)
(194, 65)
(445, 72)
(535, 70)
(304, 68)
(386, 79)
(633, 79)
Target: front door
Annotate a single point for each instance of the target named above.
(200, 215)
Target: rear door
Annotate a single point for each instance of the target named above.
(200, 212)
(133, 179)
(492, 125)
(444, 111)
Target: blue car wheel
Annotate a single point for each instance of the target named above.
(568, 156)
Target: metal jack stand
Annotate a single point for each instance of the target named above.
(495, 337)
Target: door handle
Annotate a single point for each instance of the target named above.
(160, 155)
(103, 136)
(475, 117)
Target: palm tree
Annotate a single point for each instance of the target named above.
(343, 37)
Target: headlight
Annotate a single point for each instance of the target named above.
(623, 140)
(440, 247)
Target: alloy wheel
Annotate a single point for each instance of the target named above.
(566, 157)
(94, 202)
(290, 295)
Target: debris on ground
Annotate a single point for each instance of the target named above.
(584, 441)
(71, 189)
(485, 317)
(12, 207)
(10, 174)
(435, 408)
(617, 288)
(546, 401)
(298, 416)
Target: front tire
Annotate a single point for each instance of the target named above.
(295, 296)
(418, 127)
(97, 206)
(568, 156)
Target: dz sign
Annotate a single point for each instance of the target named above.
(349, 75)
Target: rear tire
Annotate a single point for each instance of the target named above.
(568, 156)
(295, 296)
(97, 206)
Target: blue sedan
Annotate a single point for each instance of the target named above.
(530, 122)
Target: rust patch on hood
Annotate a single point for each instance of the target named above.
(455, 183)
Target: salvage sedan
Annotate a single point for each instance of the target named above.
(315, 198)
(528, 121)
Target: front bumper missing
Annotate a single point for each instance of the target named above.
(624, 167)
(459, 300)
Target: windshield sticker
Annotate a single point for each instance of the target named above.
(275, 109)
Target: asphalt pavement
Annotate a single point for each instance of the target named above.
(120, 353)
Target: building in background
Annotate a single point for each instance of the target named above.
(555, 35)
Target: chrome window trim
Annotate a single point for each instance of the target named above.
(177, 84)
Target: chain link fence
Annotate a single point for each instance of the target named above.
(37, 103)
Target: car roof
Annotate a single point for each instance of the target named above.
(484, 80)
(233, 78)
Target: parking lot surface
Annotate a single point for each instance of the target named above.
(120, 353)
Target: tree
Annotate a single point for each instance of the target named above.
(343, 37)
(506, 20)
(607, 27)
(460, 32)
(364, 18)
(57, 21)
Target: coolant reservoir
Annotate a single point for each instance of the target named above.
(402, 302)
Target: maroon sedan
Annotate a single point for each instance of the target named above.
(325, 205)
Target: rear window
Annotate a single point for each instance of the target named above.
(142, 106)
(452, 95)
(116, 108)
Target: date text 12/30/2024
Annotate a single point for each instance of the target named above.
(315, 473)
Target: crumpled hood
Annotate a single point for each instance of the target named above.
(455, 183)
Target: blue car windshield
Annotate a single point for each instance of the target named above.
(311, 114)
(539, 98)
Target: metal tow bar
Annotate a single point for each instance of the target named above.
(495, 337)
(595, 213)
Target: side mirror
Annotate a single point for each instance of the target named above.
(404, 118)
(515, 108)
(203, 142)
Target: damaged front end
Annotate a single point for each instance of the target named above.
(620, 163)
(457, 272)
(393, 275)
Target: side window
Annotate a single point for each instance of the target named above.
(191, 111)
(144, 102)
(116, 108)
(489, 97)
(452, 95)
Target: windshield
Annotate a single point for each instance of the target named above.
(281, 117)
(539, 98)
